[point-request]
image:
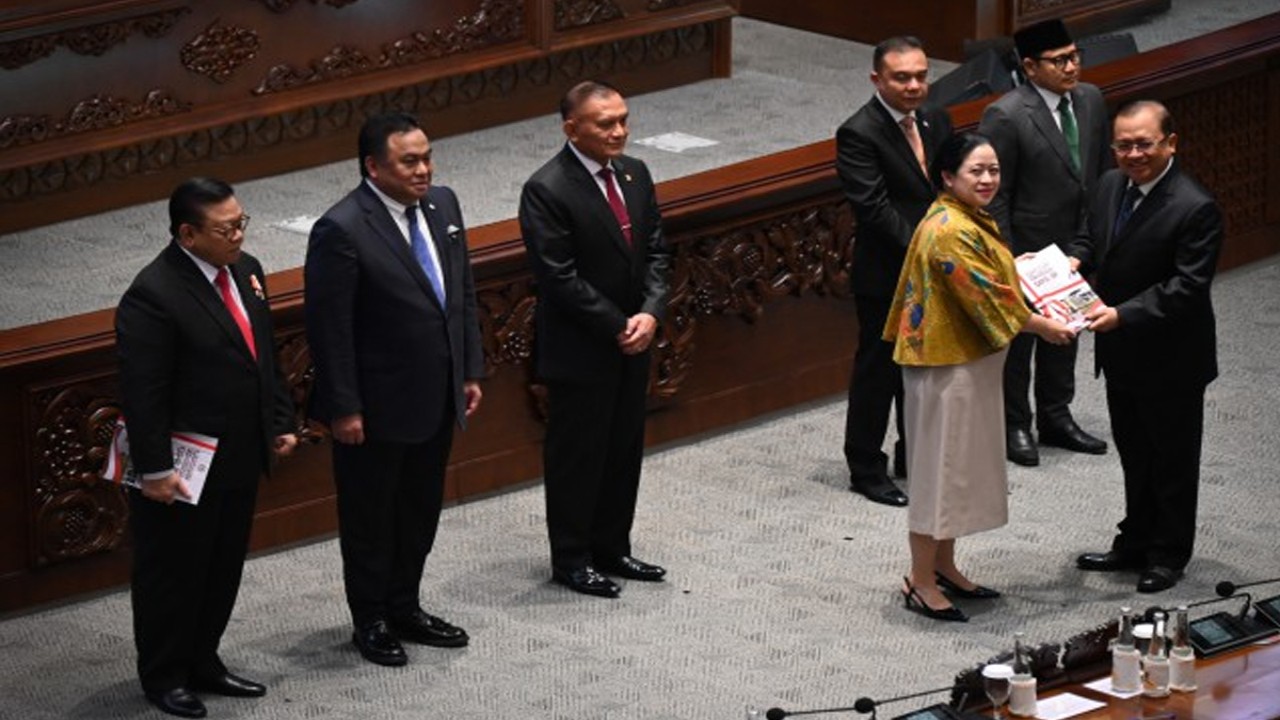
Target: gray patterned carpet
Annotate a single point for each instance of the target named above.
(782, 591)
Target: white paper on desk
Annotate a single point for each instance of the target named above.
(192, 457)
(1064, 706)
(1054, 289)
(1103, 685)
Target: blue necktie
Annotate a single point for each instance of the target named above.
(420, 251)
(1131, 198)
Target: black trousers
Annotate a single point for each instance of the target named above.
(591, 462)
(1158, 438)
(1055, 382)
(187, 563)
(389, 500)
(875, 387)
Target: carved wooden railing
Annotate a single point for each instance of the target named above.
(759, 320)
(111, 102)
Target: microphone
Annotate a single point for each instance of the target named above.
(1227, 588)
(862, 705)
(1149, 614)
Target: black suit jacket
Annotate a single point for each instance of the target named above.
(184, 366)
(381, 343)
(589, 279)
(1157, 274)
(1043, 197)
(887, 189)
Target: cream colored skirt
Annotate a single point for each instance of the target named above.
(957, 479)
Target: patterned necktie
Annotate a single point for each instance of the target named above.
(908, 123)
(1130, 201)
(223, 281)
(1070, 132)
(423, 253)
(615, 203)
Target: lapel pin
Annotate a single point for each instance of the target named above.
(257, 287)
(453, 231)
(431, 206)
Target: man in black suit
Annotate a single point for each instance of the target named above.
(391, 322)
(882, 156)
(1051, 137)
(1153, 237)
(590, 222)
(196, 351)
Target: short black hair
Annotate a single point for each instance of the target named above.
(579, 94)
(897, 43)
(375, 131)
(1133, 107)
(952, 154)
(188, 201)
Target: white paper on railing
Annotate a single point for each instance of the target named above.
(192, 457)
(1054, 289)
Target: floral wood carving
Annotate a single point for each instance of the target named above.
(496, 22)
(219, 50)
(94, 39)
(578, 13)
(299, 376)
(75, 513)
(94, 113)
(173, 153)
(285, 5)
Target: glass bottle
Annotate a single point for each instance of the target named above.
(1022, 686)
(1182, 658)
(1156, 663)
(1126, 669)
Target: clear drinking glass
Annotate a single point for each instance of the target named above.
(995, 681)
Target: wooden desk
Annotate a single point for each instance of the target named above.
(1241, 685)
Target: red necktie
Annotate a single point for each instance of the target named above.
(615, 203)
(223, 281)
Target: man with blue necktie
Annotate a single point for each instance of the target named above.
(391, 324)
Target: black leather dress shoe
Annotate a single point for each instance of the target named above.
(1069, 436)
(376, 643)
(1157, 578)
(178, 701)
(586, 580)
(229, 685)
(1020, 448)
(880, 490)
(1107, 562)
(631, 569)
(427, 629)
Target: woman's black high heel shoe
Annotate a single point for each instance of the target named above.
(977, 593)
(916, 604)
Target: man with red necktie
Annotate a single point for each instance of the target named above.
(591, 225)
(194, 337)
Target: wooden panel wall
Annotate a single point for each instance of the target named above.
(946, 26)
(112, 102)
(760, 320)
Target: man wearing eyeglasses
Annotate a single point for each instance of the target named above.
(1051, 137)
(197, 354)
(1153, 237)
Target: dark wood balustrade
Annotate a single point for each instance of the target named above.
(759, 320)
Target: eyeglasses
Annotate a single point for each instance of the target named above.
(1061, 61)
(1124, 147)
(227, 230)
